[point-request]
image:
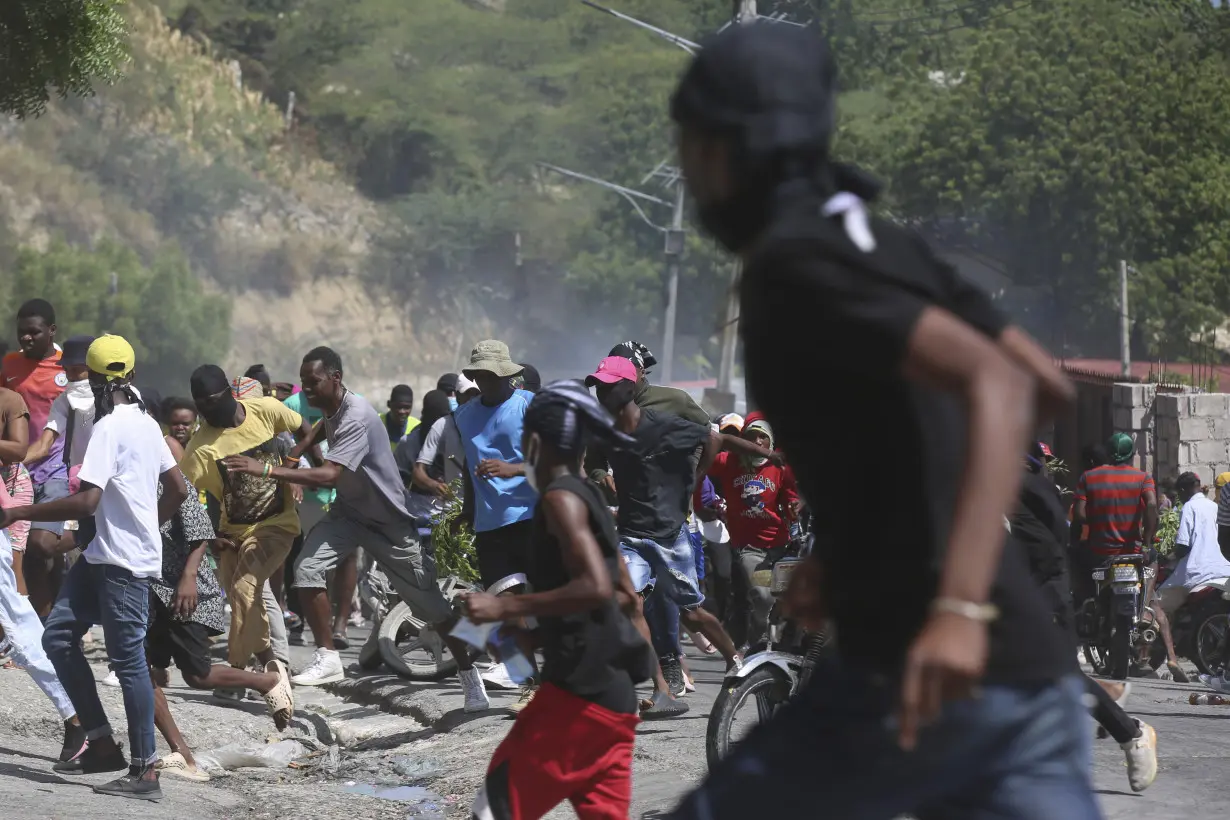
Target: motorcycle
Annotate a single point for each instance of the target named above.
(400, 639)
(770, 677)
(1200, 627)
(1112, 624)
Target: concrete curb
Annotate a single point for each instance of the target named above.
(395, 696)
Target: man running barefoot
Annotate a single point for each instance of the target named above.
(126, 461)
(574, 740)
(370, 512)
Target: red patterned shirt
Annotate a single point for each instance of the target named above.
(1114, 497)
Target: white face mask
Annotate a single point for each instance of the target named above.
(79, 389)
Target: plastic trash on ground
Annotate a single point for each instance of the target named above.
(247, 754)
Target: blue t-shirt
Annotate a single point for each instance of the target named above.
(495, 432)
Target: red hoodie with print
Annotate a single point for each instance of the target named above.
(757, 500)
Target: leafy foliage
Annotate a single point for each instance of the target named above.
(1081, 132)
(453, 542)
(56, 47)
(161, 308)
(1168, 529)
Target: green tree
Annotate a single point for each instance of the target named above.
(1080, 132)
(162, 308)
(56, 47)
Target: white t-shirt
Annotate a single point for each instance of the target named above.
(81, 402)
(1198, 530)
(126, 457)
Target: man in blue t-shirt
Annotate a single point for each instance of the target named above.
(502, 503)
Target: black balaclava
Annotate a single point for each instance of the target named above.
(435, 407)
(771, 90)
(209, 380)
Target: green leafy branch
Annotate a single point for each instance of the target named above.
(453, 541)
(1168, 529)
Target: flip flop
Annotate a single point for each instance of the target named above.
(664, 707)
(340, 641)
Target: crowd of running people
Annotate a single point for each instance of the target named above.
(954, 691)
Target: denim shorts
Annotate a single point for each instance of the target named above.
(669, 566)
(50, 490)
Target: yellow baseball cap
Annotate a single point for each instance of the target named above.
(1222, 480)
(111, 356)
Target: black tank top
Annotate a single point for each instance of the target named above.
(596, 655)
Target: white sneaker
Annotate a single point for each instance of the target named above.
(476, 695)
(326, 667)
(111, 679)
(1141, 755)
(497, 678)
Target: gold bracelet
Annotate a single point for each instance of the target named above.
(982, 613)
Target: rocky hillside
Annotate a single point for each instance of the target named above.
(181, 154)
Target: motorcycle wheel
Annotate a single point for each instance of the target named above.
(771, 689)
(1095, 656)
(1210, 640)
(411, 648)
(1121, 647)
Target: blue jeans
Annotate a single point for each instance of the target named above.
(670, 567)
(662, 615)
(111, 596)
(1015, 753)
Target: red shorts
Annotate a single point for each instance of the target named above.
(562, 747)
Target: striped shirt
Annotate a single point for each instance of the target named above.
(1114, 497)
(1223, 507)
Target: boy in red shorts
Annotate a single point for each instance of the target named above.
(574, 740)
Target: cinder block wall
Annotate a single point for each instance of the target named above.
(1192, 434)
(1134, 408)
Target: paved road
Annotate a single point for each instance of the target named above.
(1195, 745)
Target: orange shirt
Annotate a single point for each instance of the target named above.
(39, 382)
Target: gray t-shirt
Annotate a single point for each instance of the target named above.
(370, 489)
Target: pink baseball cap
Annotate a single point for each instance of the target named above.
(612, 369)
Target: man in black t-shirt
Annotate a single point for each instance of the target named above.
(929, 606)
(654, 480)
(574, 740)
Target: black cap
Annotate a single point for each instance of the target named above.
(75, 350)
(447, 383)
(531, 381)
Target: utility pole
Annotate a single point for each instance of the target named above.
(745, 12)
(673, 241)
(1125, 342)
(674, 250)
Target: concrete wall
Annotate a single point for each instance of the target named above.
(1134, 408)
(1192, 434)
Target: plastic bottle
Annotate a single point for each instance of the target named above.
(1206, 699)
